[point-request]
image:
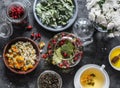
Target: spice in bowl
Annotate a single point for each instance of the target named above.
(21, 56)
(114, 58)
(49, 79)
(16, 11)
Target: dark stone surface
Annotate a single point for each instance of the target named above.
(95, 53)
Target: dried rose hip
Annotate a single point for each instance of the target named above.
(75, 58)
(44, 56)
(29, 27)
(49, 52)
(67, 65)
(64, 54)
(32, 35)
(63, 34)
(39, 35)
(54, 41)
(60, 65)
(16, 12)
(49, 46)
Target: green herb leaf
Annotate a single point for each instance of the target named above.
(68, 48)
(101, 2)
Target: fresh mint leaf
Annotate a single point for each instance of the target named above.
(68, 48)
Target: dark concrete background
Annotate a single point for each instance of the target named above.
(95, 53)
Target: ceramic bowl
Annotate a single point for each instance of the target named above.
(71, 20)
(23, 39)
(113, 53)
(88, 69)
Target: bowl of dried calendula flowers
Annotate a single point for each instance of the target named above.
(21, 55)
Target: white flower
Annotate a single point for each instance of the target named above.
(106, 7)
(110, 25)
(91, 3)
(107, 16)
(118, 28)
(101, 20)
(91, 16)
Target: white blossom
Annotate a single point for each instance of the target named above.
(111, 25)
(107, 15)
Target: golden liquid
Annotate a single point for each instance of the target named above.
(99, 79)
(115, 52)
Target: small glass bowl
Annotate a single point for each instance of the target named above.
(6, 29)
(99, 28)
(83, 28)
(19, 19)
(75, 58)
(49, 73)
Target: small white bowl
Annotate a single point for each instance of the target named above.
(110, 58)
(79, 73)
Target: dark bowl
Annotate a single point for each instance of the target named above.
(24, 39)
(51, 73)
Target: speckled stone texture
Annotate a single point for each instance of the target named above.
(95, 53)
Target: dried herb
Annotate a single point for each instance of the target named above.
(68, 48)
(89, 79)
(115, 59)
(93, 75)
(55, 13)
(49, 81)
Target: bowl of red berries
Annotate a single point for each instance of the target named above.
(64, 50)
(16, 12)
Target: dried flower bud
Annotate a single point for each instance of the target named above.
(41, 44)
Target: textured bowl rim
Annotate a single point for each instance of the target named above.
(21, 72)
(59, 29)
(50, 71)
(118, 69)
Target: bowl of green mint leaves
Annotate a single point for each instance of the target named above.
(55, 15)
